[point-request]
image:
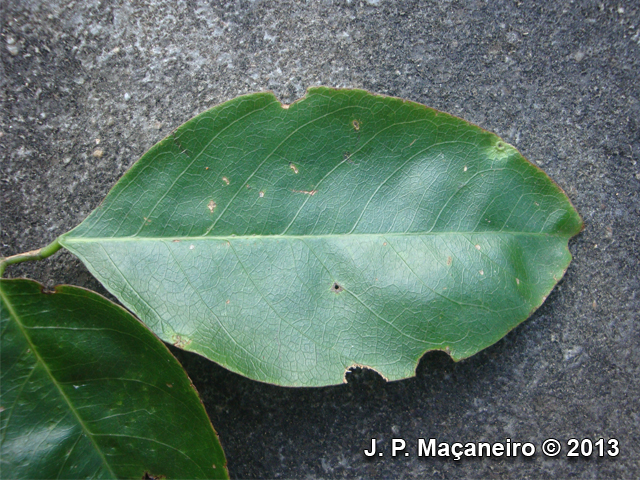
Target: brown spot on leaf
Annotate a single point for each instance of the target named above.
(212, 205)
(517, 281)
(180, 341)
(293, 167)
(449, 260)
(169, 385)
(306, 192)
(356, 125)
(225, 180)
(336, 287)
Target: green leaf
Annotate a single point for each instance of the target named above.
(89, 392)
(289, 243)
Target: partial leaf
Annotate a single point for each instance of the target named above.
(289, 243)
(89, 392)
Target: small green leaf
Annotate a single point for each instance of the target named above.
(89, 392)
(289, 243)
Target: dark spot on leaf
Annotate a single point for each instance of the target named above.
(336, 288)
(356, 125)
(150, 476)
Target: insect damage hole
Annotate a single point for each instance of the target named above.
(336, 287)
(363, 375)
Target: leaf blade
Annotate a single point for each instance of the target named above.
(330, 180)
(82, 399)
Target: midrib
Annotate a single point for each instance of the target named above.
(71, 239)
(14, 315)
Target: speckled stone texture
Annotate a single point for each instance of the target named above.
(89, 86)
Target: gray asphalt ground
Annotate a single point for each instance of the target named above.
(89, 86)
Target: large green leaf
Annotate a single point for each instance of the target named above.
(89, 392)
(289, 243)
